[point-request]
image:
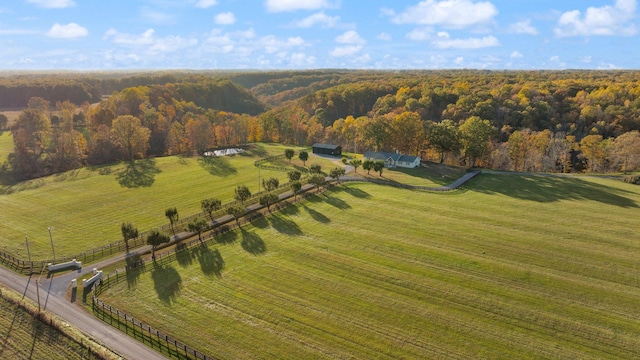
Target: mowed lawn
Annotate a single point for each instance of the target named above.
(86, 207)
(512, 267)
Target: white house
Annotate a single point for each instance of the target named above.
(392, 160)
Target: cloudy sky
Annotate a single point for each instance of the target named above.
(311, 34)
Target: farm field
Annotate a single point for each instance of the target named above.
(512, 267)
(87, 206)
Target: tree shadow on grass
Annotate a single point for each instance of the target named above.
(253, 243)
(184, 255)
(140, 173)
(355, 192)
(211, 262)
(317, 216)
(260, 222)
(336, 202)
(135, 267)
(254, 150)
(167, 283)
(218, 166)
(552, 188)
(227, 237)
(284, 225)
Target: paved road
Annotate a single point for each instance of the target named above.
(54, 302)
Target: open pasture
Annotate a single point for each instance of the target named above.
(85, 207)
(513, 267)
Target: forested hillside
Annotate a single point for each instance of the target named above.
(554, 121)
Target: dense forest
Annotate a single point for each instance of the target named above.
(551, 121)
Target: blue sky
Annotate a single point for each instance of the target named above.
(312, 34)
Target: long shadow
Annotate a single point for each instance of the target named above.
(254, 150)
(218, 166)
(211, 262)
(284, 225)
(135, 267)
(226, 237)
(253, 243)
(355, 192)
(317, 216)
(336, 202)
(167, 283)
(551, 188)
(140, 173)
(184, 256)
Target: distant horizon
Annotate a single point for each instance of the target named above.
(291, 35)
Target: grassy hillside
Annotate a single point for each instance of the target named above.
(87, 206)
(27, 337)
(513, 267)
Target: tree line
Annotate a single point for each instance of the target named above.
(526, 121)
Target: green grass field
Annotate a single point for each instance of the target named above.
(512, 267)
(87, 206)
(431, 175)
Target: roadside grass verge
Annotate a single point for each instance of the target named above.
(514, 267)
(29, 335)
(87, 206)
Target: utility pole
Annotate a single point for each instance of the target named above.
(26, 240)
(52, 249)
(38, 293)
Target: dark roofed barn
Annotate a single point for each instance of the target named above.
(327, 149)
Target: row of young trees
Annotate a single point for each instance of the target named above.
(209, 206)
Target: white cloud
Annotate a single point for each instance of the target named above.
(146, 38)
(319, 18)
(607, 66)
(516, 55)
(449, 13)
(459, 61)
(157, 16)
(69, 31)
(556, 62)
(384, 37)
(172, 44)
(205, 4)
(420, 34)
(523, 27)
(342, 51)
(586, 59)
(350, 37)
(293, 5)
(444, 42)
(53, 4)
(226, 18)
(605, 20)
(301, 60)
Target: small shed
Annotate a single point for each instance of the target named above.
(327, 149)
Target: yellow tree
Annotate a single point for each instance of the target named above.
(625, 151)
(593, 150)
(407, 132)
(128, 134)
(475, 135)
